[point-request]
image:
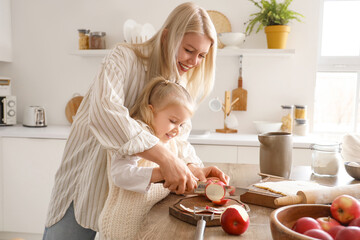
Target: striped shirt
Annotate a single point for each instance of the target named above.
(102, 125)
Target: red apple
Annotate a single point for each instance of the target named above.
(349, 233)
(318, 234)
(304, 224)
(345, 208)
(234, 220)
(221, 202)
(355, 222)
(334, 230)
(327, 223)
(215, 191)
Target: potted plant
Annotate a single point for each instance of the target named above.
(274, 17)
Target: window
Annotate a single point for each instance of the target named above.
(337, 108)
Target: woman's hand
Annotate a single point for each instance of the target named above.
(202, 173)
(177, 175)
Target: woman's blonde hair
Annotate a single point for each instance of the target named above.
(160, 93)
(161, 58)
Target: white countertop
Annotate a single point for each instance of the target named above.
(211, 138)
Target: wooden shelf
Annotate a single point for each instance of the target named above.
(221, 52)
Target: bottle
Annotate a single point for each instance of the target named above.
(301, 127)
(97, 40)
(287, 118)
(326, 159)
(83, 39)
(300, 112)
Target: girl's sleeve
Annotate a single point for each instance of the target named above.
(126, 174)
(109, 119)
(186, 151)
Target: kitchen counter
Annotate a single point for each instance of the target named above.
(208, 138)
(160, 225)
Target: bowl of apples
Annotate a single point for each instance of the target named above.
(338, 221)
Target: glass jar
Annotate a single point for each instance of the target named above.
(300, 111)
(83, 39)
(97, 40)
(326, 159)
(301, 127)
(287, 118)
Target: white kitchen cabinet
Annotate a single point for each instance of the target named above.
(5, 31)
(216, 153)
(248, 155)
(28, 169)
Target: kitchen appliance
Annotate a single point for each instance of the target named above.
(5, 86)
(7, 110)
(34, 116)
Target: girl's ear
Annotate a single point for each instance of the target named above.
(151, 107)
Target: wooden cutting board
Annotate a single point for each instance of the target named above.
(241, 104)
(198, 201)
(72, 107)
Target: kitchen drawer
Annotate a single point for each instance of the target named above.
(216, 153)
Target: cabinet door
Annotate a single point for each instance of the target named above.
(5, 31)
(216, 153)
(248, 155)
(29, 166)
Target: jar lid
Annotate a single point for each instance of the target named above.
(300, 121)
(326, 146)
(101, 34)
(287, 106)
(84, 31)
(300, 106)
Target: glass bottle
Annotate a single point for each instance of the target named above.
(301, 127)
(97, 40)
(287, 118)
(326, 159)
(83, 39)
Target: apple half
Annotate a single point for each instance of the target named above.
(215, 192)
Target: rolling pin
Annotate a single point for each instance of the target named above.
(319, 196)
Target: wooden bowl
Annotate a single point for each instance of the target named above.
(284, 218)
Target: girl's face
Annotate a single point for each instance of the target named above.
(168, 121)
(192, 51)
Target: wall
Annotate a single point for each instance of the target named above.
(44, 72)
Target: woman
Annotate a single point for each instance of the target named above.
(185, 48)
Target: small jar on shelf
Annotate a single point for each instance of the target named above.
(287, 118)
(301, 127)
(83, 39)
(300, 112)
(97, 40)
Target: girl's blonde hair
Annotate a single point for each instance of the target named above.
(160, 93)
(161, 58)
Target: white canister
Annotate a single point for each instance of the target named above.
(326, 159)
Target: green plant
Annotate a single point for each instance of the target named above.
(271, 13)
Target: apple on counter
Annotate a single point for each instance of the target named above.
(234, 220)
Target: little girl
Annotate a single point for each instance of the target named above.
(162, 109)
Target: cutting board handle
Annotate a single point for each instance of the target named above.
(288, 200)
(240, 82)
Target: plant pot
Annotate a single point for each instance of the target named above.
(277, 35)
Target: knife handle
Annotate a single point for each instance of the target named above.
(200, 228)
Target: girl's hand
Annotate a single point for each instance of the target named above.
(203, 173)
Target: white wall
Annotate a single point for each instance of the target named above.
(44, 72)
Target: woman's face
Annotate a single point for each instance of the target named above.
(192, 51)
(168, 121)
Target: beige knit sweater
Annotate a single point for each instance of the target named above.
(124, 211)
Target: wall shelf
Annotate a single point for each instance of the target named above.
(221, 52)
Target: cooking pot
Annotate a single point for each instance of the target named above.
(34, 116)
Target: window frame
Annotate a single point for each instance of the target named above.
(339, 64)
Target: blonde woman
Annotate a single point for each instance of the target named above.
(162, 109)
(184, 48)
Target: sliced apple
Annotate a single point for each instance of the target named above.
(221, 202)
(215, 192)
